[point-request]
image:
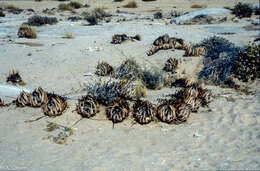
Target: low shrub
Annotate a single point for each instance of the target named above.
(94, 16)
(129, 69)
(158, 15)
(216, 45)
(242, 10)
(152, 79)
(39, 20)
(2, 14)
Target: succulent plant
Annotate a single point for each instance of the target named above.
(55, 105)
(144, 112)
(87, 106)
(117, 110)
(103, 69)
(171, 65)
(166, 111)
(15, 78)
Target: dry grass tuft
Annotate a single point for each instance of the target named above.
(10, 6)
(66, 7)
(198, 6)
(131, 4)
(76, 5)
(68, 36)
(26, 31)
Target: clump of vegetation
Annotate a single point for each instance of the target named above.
(257, 11)
(26, 31)
(66, 7)
(39, 20)
(106, 91)
(221, 55)
(38, 0)
(242, 10)
(216, 45)
(70, 6)
(94, 16)
(118, 0)
(198, 6)
(76, 5)
(158, 15)
(152, 79)
(2, 14)
(131, 4)
(92, 20)
(247, 67)
(129, 69)
(10, 6)
(68, 36)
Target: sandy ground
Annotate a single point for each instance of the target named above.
(224, 136)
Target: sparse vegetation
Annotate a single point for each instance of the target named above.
(76, 5)
(39, 20)
(131, 4)
(66, 7)
(26, 31)
(198, 6)
(94, 16)
(10, 6)
(68, 36)
(242, 10)
(2, 14)
(70, 6)
(148, 0)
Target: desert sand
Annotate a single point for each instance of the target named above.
(223, 136)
